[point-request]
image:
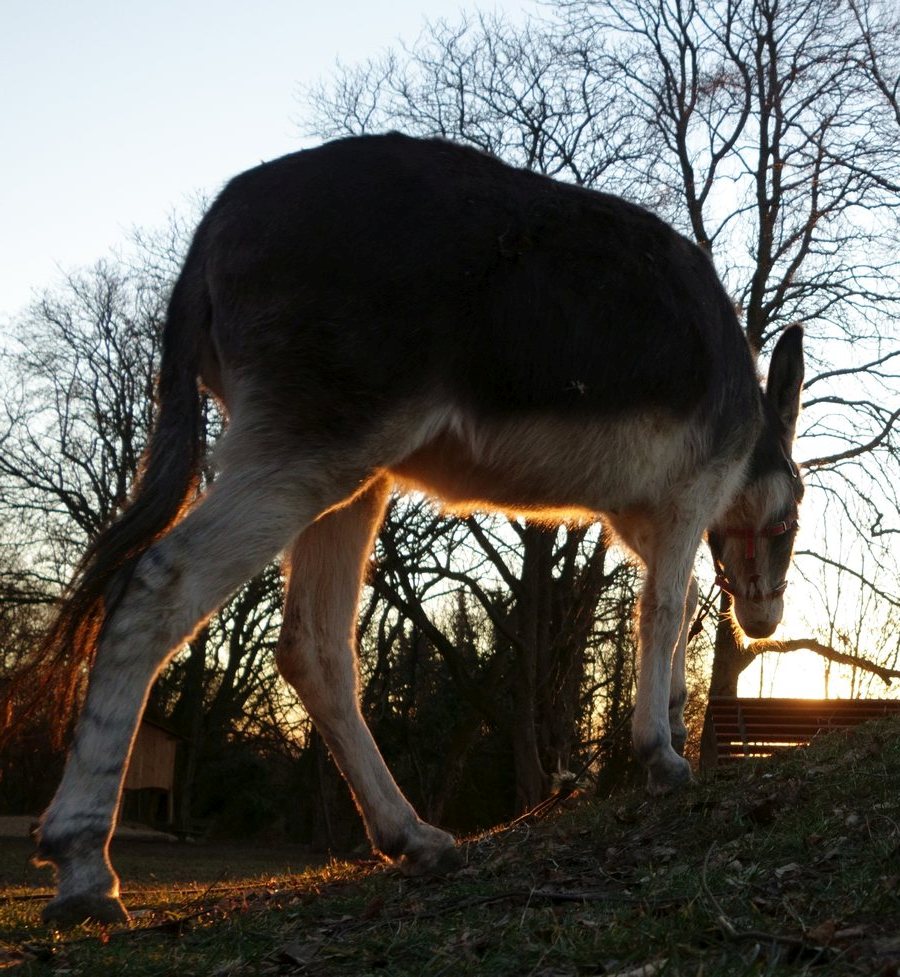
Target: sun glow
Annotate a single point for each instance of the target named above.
(795, 675)
(804, 674)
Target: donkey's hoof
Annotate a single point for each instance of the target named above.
(72, 910)
(443, 862)
(665, 778)
(437, 854)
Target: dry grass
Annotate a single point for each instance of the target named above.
(780, 867)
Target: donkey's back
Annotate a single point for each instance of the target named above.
(394, 267)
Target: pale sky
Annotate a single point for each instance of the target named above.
(115, 112)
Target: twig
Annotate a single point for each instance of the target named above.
(212, 885)
(758, 936)
(722, 920)
(547, 805)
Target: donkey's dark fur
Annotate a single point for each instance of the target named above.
(385, 311)
(403, 264)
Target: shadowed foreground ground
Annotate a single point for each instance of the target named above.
(789, 866)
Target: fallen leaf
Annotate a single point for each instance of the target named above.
(823, 934)
(229, 968)
(10, 959)
(645, 970)
(766, 811)
(298, 954)
(792, 868)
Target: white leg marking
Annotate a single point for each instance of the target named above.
(667, 543)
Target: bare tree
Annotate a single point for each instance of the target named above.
(777, 154)
(510, 91)
(767, 132)
(511, 610)
(77, 411)
(79, 383)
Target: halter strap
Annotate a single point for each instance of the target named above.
(723, 583)
(750, 536)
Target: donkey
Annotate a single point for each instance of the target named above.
(386, 311)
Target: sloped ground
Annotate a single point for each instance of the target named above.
(788, 866)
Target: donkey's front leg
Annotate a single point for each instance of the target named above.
(678, 688)
(662, 612)
(667, 543)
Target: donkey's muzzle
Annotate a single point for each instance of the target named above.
(759, 618)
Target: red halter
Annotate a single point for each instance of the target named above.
(750, 536)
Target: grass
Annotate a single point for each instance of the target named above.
(788, 866)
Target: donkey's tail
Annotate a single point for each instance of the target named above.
(166, 482)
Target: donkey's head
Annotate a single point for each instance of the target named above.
(752, 543)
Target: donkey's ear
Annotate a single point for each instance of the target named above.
(786, 379)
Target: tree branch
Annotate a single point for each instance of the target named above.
(826, 651)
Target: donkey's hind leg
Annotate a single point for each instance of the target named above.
(244, 522)
(316, 654)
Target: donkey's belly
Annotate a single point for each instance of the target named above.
(551, 467)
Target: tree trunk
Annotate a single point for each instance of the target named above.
(729, 660)
(617, 761)
(554, 618)
(187, 718)
(532, 626)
